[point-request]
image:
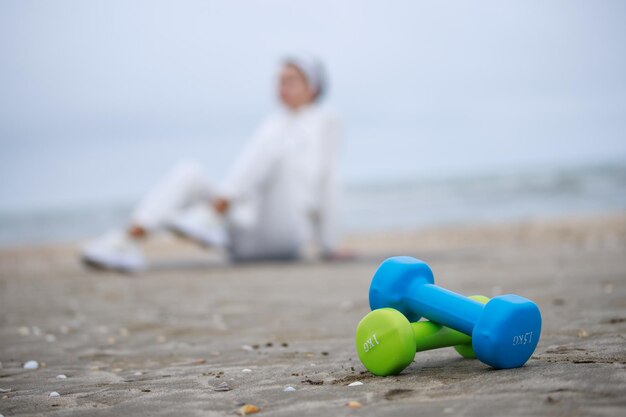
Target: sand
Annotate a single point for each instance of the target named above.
(159, 342)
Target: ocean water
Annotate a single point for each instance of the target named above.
(392, 205)
(524, 195)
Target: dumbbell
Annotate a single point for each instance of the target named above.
(505, 331)
(386, 341)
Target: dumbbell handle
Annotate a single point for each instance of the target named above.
(429, 335)
(444, 307)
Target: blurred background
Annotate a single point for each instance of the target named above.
(460, 113)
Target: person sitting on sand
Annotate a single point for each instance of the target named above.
(281, 193)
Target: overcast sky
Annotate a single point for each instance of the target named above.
(97, 98)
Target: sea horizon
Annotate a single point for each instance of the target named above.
(400, 204)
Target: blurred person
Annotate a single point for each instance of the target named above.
(281, 193)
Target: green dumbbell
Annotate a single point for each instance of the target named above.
(387, 342)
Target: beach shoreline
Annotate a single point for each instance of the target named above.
(159, 342)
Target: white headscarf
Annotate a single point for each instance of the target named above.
(312, 69)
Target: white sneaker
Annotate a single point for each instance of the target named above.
(115, 251)
(202, 225)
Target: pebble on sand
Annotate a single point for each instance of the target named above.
(582, 333)
(246, 370)
(222, 387)
(247, 348)
(289, 389)
(355, 384)
(246, 409)
(354, 404)
(61, 376)
(54, 394)
(138, 373)
(31, 365)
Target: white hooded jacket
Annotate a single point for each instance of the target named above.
(284, 188)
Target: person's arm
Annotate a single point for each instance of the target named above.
(252, 167)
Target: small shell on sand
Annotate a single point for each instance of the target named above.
(138, 373)
(246, 409)
(289, 389)
(582, 333)
(247, 348)
(354, 404)
(31, 365)
(61, 376)
(355, 384)
(54, 394)
(222, 387)
(246, 370)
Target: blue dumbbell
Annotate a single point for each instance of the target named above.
(505, 331)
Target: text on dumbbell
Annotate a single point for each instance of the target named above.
(370, 343)
(522, 339)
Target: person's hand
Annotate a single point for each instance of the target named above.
(136, 231)
(221, 205)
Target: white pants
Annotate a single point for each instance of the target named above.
(269, 233)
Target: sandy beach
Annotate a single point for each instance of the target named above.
(162, 341)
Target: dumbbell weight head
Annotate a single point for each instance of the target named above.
(507, 332)
(385, 342)
(393, 279)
